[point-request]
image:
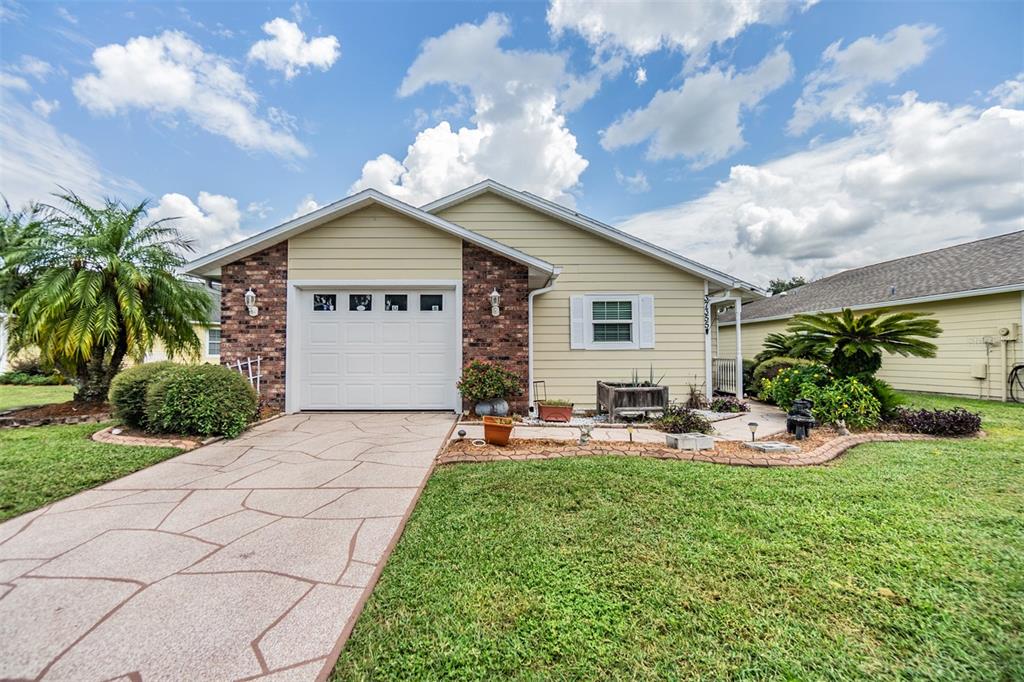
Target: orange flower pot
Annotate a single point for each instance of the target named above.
(497, 430)
(555, 413)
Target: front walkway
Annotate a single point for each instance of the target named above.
(244, 559)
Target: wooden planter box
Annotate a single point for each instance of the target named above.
(616, 398)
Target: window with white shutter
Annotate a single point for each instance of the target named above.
(612, 321)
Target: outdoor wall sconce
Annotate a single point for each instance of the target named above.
(495, 302)
(753, 431)
(250, 303)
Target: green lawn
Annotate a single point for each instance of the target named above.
(41, 464)
(899, 561)
(23, 396)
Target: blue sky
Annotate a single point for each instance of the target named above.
(782, 139)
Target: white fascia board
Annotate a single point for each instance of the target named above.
(971, 293)
(209, 265)
(590, 225)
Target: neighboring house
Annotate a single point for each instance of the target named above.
(208, 332)
(974, 290)
(370, 303)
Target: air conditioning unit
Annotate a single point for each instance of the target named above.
(1011, 333)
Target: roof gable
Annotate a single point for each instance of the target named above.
(210, 264)
(580, 221)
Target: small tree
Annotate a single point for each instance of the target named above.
(855, 342)
(104, 289)
(777, 286)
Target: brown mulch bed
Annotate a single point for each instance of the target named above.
(58, 410)
(822, 446)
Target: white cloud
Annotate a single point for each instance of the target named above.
(37, 159)
(923, 175)
(260, 209)
(640, 77)
(306, 205)
(634, 184)
(169, 74)
(1009, 93)
(838, 86)
(289, 52)
(701, 119)
(45, 107)
(645, 26)
(35, 67)
(12, 82)
(519, 134)
(67, 16)
(210, 223)
(11, 11)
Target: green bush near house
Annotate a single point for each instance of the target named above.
(128, 391)
(487, 381)
(847, 400)
(788, 384)
(681, 419)
(769, 369)
(202, 400)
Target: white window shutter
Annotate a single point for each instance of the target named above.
(577, 322)
(647, 321)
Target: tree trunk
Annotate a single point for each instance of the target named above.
(93, 383)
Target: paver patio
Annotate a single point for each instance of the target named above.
(244, 559)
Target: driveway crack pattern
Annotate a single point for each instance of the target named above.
(238, 560)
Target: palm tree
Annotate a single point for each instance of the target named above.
(105, 289)
(779, 345)
(20, 233)
(856, 343)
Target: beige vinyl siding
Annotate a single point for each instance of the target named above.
(375, 243)
(753, 334)
(158, 352)
(591, 264)
(965, 322)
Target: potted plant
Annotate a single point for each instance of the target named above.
(555, 410)
(488, 385)
(497, 430)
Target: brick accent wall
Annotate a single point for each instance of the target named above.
(263, 336)
(503, 339)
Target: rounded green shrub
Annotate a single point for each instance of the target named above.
(848, 400)
(128, 391)
(200, 400)
(787, 384)
(488, 381)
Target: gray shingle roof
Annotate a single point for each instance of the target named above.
(983, 264)
(214, 295)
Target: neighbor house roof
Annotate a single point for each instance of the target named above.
(590, 225)
(214, 294)
(210, 264)
(986, 266)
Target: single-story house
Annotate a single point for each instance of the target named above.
(974, 290)
(207, 331)
(371, 303)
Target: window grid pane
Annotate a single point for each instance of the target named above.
(613, 331)
(214, 342)
(612, 310)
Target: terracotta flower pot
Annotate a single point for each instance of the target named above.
(555, 413)
(497, 430)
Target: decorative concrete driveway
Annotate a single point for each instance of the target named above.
(245, 559)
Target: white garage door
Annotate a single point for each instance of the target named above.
(377, 349)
